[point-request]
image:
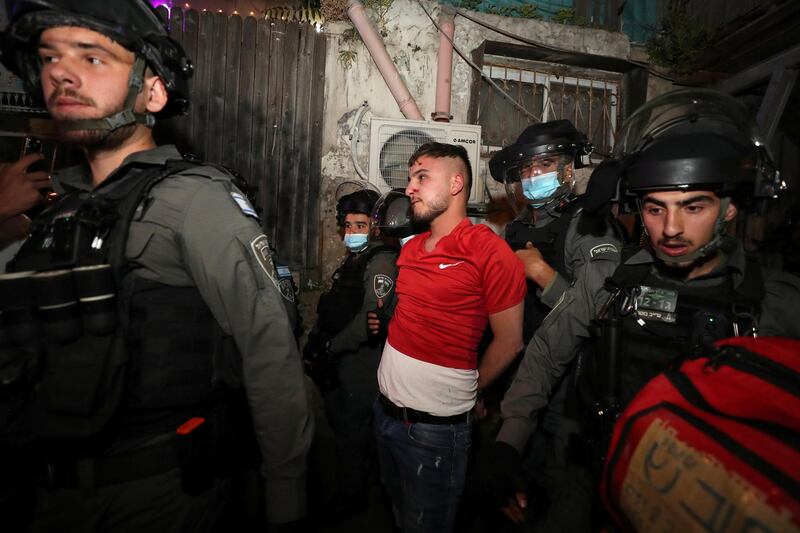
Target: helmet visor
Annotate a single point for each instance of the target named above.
(540, 179)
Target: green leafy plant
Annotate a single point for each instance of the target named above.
(529, 11)
(471, 5)
(350, 36)
(678, 41)
(380, 8)
(566, 15)
(347, 58)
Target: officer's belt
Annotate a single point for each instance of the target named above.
(95, 472)
(412, 416)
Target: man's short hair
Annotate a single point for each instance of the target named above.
(440, 150)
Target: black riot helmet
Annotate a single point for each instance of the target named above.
(557, 139)
(361, 201)
(696, 139)
(392, 216)
(134, 24)
(543, 138)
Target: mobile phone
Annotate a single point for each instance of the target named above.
(35, 145)
(32, 145)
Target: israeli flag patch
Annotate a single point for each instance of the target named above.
(244, 205)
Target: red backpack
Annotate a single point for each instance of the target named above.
(714, 446)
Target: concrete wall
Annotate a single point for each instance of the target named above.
(412, 41)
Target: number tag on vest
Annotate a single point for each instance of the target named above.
(656, 304)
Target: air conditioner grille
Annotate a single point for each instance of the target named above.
(395, 151)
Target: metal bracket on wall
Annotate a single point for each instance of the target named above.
(781, 84)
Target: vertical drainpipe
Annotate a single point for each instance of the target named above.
(444, 66)
(355, 10)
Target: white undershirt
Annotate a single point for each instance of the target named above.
(426, 387)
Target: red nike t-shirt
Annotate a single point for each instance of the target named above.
(445, 296)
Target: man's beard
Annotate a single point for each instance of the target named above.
(435, 209)
(88, 138)
(98, 139)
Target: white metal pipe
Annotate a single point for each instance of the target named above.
(377, 50)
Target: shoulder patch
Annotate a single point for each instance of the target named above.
(603, 249)
(285, 282)
(263, 255)
(382, 285)
(243, 204)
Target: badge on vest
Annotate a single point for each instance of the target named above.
(603, 249)
(382, 284)
(285, 282)
(263, 255)
(656, 304)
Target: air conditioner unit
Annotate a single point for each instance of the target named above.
(392, 141)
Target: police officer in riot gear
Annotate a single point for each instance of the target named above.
(342, 356)
(558, 243)
(145, 311)
(551, 235)
(690, 161)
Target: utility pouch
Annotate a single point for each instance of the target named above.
(81, 386)
(195, 451)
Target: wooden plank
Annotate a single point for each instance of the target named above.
(474, 109)
(191, 20)
(260, 92)
(244, 125)
(612, 15)
(176, 24)
(288, 155)
(312, 261)
(272, 154)
(216, 90)
(582, 9)
(175, 130)
(232, 113)
(302, 124)
(202, 82)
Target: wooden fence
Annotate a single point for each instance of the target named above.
(257, 98)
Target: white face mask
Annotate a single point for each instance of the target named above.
(356, 242)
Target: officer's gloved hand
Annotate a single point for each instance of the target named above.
(310, 353)
(322, 365)
(500, 469)
(378, 321)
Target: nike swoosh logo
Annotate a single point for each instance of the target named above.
(445, 265)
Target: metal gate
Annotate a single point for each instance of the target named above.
(257, 98)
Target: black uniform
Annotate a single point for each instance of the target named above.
(575, 245)
(201, 331)
(342, 326)
(737, 284)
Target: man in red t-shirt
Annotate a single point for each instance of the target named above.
(453, 280)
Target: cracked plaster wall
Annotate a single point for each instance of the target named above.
(412, 41)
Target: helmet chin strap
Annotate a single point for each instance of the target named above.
(125, 117)
(703, 251)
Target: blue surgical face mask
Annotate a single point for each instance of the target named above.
(540, 187)
(356, 242)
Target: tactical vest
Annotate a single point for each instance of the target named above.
(159, 365)
(550, 240)
(338, 306)
(657, 332)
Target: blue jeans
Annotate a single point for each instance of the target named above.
(423, 467)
